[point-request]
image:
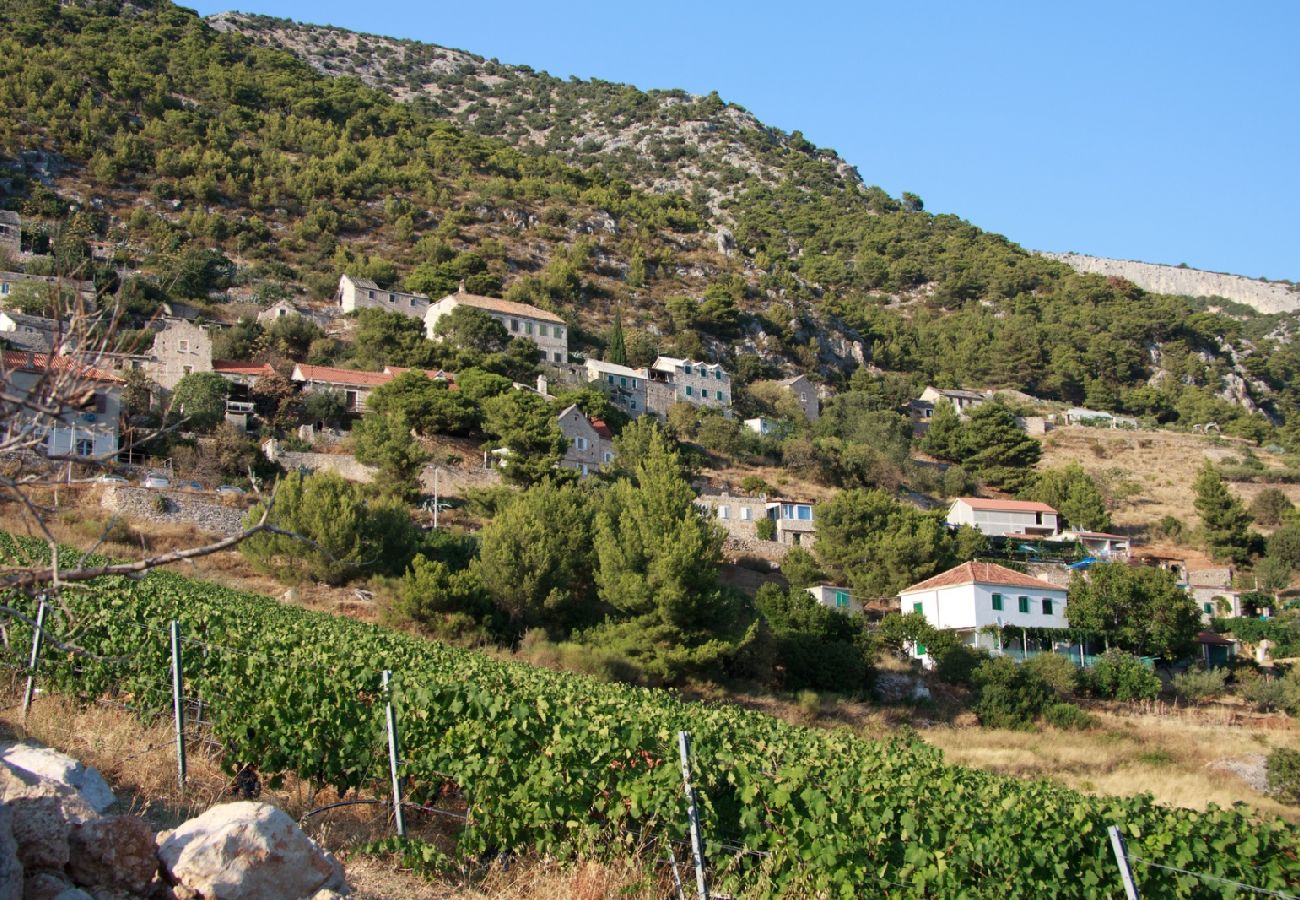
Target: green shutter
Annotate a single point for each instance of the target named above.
(918, 607)
(1047, 606)
(997, 602)
(1024, 604)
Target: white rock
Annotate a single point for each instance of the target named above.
(11, 870)
(55, 766)
(247, 851)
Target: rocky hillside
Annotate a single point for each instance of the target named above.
(1263, 296)
(658, 140)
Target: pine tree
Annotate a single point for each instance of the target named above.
(943, 438)
(996, 449)
(1074, 495)
(1224, 516)
(617, 351)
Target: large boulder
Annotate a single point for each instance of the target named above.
(11, 870)
(116, 852)
(247, 851)
(55, 766)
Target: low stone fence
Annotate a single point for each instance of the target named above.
(211, 513)
(453, 481)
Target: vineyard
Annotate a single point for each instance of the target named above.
(560, 763)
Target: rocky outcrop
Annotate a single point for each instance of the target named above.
(1264, 296)
(116, 852)
(247, 851)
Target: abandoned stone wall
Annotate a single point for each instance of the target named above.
(1265, 296)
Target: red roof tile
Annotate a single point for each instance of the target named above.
(36, 362)
(234, 367)
(331, 375)
(1005, 505)
(982, 573)
(602, 429)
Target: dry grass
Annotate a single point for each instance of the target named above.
(1168, 755)
(139, 763)
(1150, 472)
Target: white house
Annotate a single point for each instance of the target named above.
(976, 594)
(794, 521)
(61, 406)
(625, 386)
(362, 293)
(1100, 544)
(999, 518)
(763, 425)
(834, 597)
(545, 329)
(962, 401)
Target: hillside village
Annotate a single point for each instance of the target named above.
(755, 432)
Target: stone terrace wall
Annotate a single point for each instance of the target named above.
(205, 511)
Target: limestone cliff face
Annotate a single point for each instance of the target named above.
(1264, 296)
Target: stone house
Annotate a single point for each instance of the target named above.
(738, 514)
(86, 427)
(962, 401)
(545, 329)
(11, 232)
(281, 310)
(795, 521)
(590, 443)
(361, 293)
(625, 387)
(83, 292)
(35, 333)
(805, 394)
(179, 349)
(698, 383)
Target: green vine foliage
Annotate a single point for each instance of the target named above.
(558, 763)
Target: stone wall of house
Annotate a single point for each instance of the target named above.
(209, 512)
(1265, 296)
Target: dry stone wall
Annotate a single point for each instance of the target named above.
(1265, 296)
(205, 511)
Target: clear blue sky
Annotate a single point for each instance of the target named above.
(1162, 131)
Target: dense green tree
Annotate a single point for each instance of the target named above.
(477, 385)
(525, 426)
(536, 559)
(329, 408)
(616, 352)
(447, 601)
(1135, 608)
(996, 449)
(1271, 507)
(815, 647)
(943, 437)
(334, 532)
(293, 336)
(1224, 518)
(1072, 492)
(1284, 544)
(657, 556)
(467, 328)
(879, 545)
(385, 440)
(428, 405)
(1272, 575)
(800, 569)
(198, 402)
(240, 341)
(385, 338)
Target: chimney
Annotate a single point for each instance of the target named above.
(542, 385)
(461, 289)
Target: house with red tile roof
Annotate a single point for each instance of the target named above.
(1002, 518)
(355, 386)
(59, 406)
(974, 595)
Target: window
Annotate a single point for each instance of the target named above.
(805, 513)
(528, 328)
(411, 301)
(4, 289)
(746, 514)
(634, 384)
(514, 324)
(370, 295)
(724, 512)
(841, 599)
(1047, 606)
(392, 298)
(997, 602)
(541, 330)
(609, 378)
(183, 346)
(689, 392)
(559, 332)
(631, 404)
(1038, 518)
(803, 398)
(187, 370)
(686, 370)
(580, 443)
(622, 382)
(722, 398)
(704, 393)
(84, 447)
(1209, 609)
(609, 456)
(1024, 604)
(556, 356)
(787, 510)
(919, 607)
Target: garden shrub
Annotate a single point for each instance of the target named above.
(1010, 696)
(1283, 768)
(1200, 684)
(1068, 717)
(1123, 676)
(1058, 671)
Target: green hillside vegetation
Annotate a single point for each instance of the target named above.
(562, 764)
(284, 177)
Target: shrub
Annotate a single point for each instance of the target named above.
(956, 664)
(1283, 768)
(1123, 676)
(1200, 684)
(765, 530)
(1009, 695)
(1057, 671)
(754, 484)
(1068, 717)
(1263, 693)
